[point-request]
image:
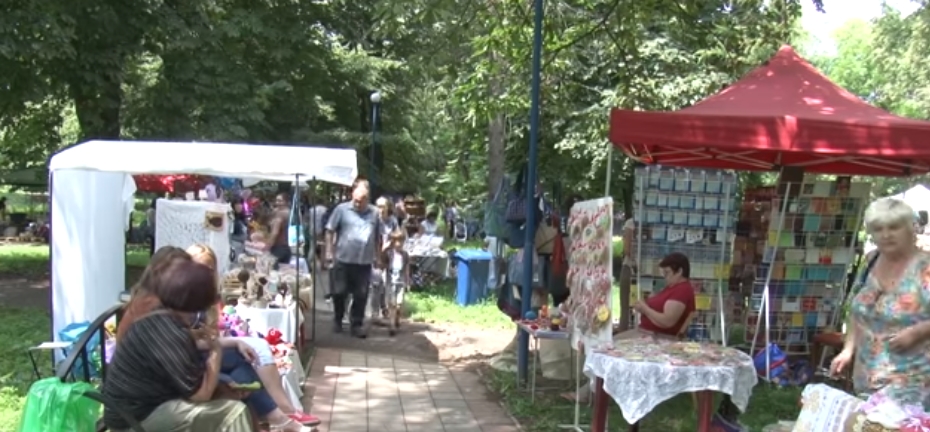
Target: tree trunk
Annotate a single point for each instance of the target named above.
(98, 106)
(497, 138)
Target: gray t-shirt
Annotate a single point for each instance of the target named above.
(356, 233)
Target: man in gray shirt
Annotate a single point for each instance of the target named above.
(352, 241)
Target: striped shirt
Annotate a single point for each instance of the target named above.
(155, 362)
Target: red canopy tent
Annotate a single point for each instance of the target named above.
(783, 113)
(161, 184)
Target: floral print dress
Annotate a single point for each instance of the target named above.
(877, 317)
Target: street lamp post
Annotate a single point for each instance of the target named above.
(375, 112)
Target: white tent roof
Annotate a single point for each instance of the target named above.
(267, 162)
(917, 197)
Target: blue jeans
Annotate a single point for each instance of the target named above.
(241, 371)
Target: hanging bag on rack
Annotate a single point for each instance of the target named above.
(295, 235)
(516, 205)
(495, 212)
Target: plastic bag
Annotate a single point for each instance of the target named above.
(53, 405)
(72, 333)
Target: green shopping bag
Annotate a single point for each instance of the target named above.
(53, 405)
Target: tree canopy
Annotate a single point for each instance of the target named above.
(454, 76)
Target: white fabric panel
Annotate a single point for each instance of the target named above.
(90, 211)
(181, 224)
(266, 162)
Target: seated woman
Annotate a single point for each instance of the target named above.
(429, 226)
(888, 334)
(264, 365)
(157, 374)
(665, 314)
(164, 284)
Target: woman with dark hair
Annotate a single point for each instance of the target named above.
(157, 374)
(161, 376)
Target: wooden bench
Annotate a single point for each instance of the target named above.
(65, 371)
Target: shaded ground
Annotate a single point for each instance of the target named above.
(420, 341)
(32, 291)
(22, 292)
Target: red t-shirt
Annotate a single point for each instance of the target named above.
(681, 292)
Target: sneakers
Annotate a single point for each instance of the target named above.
(359, 332)
(304, 418)
(337, 327)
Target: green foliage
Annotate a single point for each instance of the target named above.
(454, 75)
(23, 328)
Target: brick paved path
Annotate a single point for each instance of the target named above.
(354, 391)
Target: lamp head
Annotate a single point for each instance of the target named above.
(376, 97)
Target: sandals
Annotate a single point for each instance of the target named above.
(304, 418)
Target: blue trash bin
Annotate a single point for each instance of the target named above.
(473, 268)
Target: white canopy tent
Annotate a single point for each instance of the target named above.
(92, 189)
(918, 197)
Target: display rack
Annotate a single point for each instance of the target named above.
(691, 212)
(794, 246)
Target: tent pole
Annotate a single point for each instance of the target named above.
(532, 205)
(295, 292)
(314, 270)
(610, 164)
(765, 306)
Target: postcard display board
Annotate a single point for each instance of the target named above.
(590, 272)
(691, 212)
(184, 223)
(796, 252)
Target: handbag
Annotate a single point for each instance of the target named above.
(516, 205)
(495, 211)
(545, 238)
(295, 235)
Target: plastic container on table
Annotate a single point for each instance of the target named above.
(473, 271)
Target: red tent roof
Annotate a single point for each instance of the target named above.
(161, 184)
(783, 113)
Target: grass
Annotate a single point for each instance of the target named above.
(768, 405)
(30, 261)
(436, 305)
(22, 328)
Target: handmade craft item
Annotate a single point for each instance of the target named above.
(589, 275)
(255, 293)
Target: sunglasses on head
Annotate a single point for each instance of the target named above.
(199, 320)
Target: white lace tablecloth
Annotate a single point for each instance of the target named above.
(260, 320)
(639, 374)
(292, 380)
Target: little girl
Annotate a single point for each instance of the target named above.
(397, 277)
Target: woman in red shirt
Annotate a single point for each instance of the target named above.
(665, 314)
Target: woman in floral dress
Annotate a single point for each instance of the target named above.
(888, 335)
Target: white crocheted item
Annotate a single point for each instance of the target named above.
(182, 224)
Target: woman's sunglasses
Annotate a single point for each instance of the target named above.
(199, 320)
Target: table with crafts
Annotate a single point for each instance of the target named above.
(541, 328)
(283, 319)
(427, 256)
(639, 374)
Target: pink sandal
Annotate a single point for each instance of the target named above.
(304, 418)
